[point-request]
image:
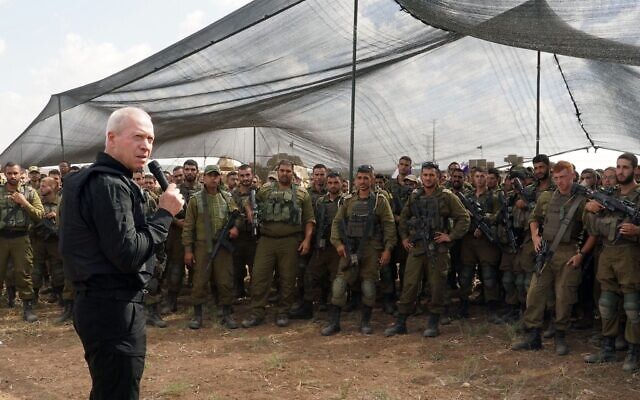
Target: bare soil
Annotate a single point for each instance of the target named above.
(470, 360)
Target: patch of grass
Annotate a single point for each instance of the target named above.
(436, 356)
(274, 361)
(175, 389)
(473, 330)
(468, 371)
(511, 332)
(380, 395)
(345, 387)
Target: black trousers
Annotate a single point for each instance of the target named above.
(114, 339)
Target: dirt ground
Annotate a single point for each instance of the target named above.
(470, 360)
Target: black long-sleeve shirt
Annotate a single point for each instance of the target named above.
(105, 239)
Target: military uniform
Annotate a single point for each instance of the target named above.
(399, 196)
(284, 214)
(245, 245)
(619, 276)
(15, 244)
(194, 237)
(46, 257)
(370, 229)
(549, 212)
(423, 216)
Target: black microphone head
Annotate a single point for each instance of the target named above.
(156, 170)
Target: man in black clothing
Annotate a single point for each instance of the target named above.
(105, 241)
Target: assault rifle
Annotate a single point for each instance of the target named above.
(223, 240)
(423, 228)
(528, 196)
(543, 256)
(255, 221)
(321, 226)
(506, 218)
(477, 216)
(351, 256)
(46, 229)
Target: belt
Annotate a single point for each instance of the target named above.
(10, 234)
(130, 296)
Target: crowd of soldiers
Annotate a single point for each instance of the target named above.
(545, 247)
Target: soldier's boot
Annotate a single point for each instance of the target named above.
(631, 361)
(433, 326)
(55, 296)
(27, 311)
(607, 352)
(11, 296)
(67, 312)
(282, 320)
(551, 329)
(334, 322)
(399, 327)
(388, 304)
(365, 320)
(171, 304)
(305, 311)
(196, 321)
(227, 318)
(621, 342)
(445, 319)
(36, 296)
(512, 314)
(252, 321)
(154, 318)
(354, 301)
(532, 342)
(462, 311)
(562, 348)
(492, 313)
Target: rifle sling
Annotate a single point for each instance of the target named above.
(564, 224)
(208, 229)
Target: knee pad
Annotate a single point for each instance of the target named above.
(608, 305)
(508, 281)
(631, 307)
(519, 282)
(339, 287)
(368, 289)
(489, 276)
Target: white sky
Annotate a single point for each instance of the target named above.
(48, 47)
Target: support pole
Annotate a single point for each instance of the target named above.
(538, 108)
(353, 87)
(60, 125)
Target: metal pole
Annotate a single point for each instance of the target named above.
(254, 149)
(538, 108)
(60, 125)
(353, 87)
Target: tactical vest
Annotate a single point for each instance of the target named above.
(47, 228)
(281, 206)
(428, 208)
(328, 210)
(12, 216)
(217, 221)
(556, 209)
(607, 224)
(150, 206)
(361, 216)
(239, 199)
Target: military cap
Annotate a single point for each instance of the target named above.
(411, 178)
(34, 168)
(211, 168)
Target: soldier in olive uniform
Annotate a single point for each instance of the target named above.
(286, 214)
(44, 242)
(199, 236)
(477, 249)
(424, 229)
(323, 266)
(175, 249)
(364, 234)
(19, 206)
(556, 211)
(618, 271)
(245, 243)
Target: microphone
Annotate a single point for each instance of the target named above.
(154, 168)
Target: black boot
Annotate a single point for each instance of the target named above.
(532, 342)
(171, 304)
(365, 321)
(36, 296)
(551, 328)
(55, 296)
(11, 296)
(462, 312)
(562, 348)
(67, 313)
(607, 352)
(445, 319)
(154, 318)
(27, 311)
(196, 321)
(621, 342)
(631, 361)
(334, 322)
(227, 318)
(492, 313)
(388, 304)
(433, 326)
(399, 327)
(305, 311)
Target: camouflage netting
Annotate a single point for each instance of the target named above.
(465, 71)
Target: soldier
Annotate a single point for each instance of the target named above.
(323, 265)
(618, 271)
(245, 243)
(207, 214)
(589, 178)
(478, 249)
(493, 180)
(34, 177)
(55, 174)
(609, 180)
(424, 229)
(364, 234)
(560, 214)
(178, 175)
(319, 184)
(286, 214)
(175, 249)
(231, 181)
(44, 242)
(64, 168)
(19, 207)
